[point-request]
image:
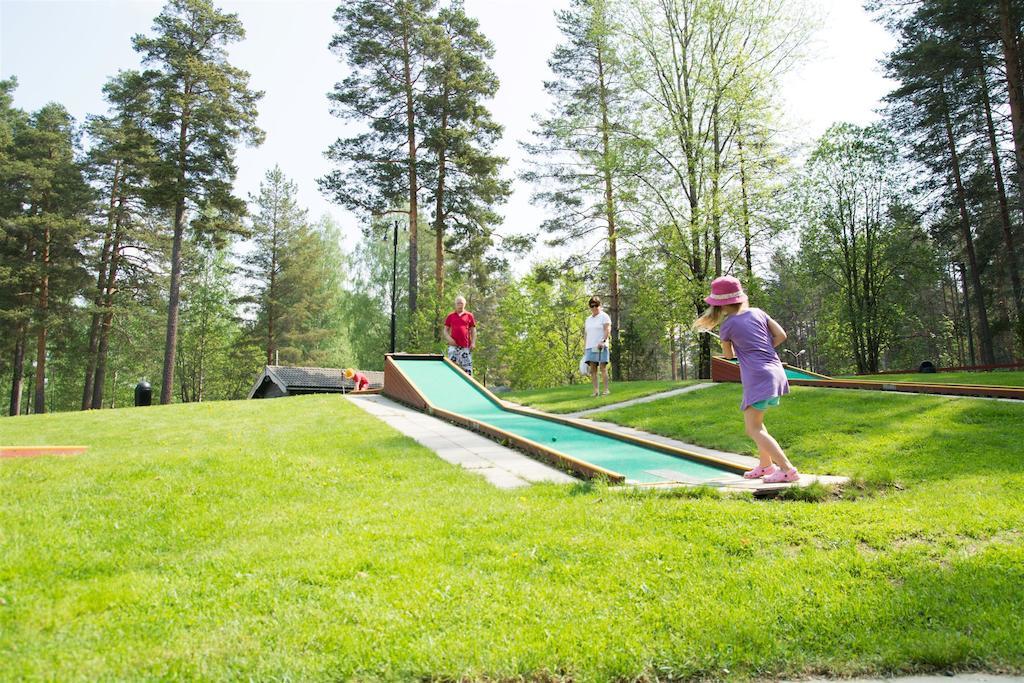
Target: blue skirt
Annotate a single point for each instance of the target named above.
(599, 356)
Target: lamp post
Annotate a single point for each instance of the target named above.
(394, 281)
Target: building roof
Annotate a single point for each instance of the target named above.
(319, 380)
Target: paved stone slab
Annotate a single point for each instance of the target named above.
(503, 467)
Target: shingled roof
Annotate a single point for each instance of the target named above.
(282, 380)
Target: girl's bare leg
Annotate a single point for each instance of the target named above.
(768, 448)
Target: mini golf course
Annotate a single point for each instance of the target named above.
(727, 370)
(435, 385)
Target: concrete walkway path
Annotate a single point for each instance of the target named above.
(508, 468)
(503, 467)
(642, 399)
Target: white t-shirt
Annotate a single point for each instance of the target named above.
(595, 329)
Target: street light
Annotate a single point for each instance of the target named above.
(394, 279)
(394, 271)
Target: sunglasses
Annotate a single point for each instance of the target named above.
(594, 304)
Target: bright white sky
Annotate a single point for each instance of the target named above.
(65, 50)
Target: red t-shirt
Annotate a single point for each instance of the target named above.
(361, 381)
(459, 326)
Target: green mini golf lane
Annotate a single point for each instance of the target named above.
(449, 390)
(791, 373)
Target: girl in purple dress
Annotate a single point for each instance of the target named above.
(751, 336)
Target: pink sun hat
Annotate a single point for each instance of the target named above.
(724, 291)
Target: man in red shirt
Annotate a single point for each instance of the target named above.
(460, 333)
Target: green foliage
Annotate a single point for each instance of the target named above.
(382, 44)
(542, 321)
(864, 283)
(461, 170)
(957, 70)
(41, 227)
(313, 300)
(208, 366)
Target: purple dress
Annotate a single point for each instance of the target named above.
(761, 371)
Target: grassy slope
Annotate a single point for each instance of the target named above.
(1009, 378)
(301, 539)
(572, 397)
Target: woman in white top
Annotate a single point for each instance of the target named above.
(597, 328)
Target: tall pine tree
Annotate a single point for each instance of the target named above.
(579, 154)
(460, 135)
(275, 228)
(382, 43)
(202, 107)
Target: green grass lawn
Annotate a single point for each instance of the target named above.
(573, 397)
(1008, 378)
(300, 539)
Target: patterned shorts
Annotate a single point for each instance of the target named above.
(461, 356)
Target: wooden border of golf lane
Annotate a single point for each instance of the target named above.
(625, 438)
(983, 390)
(723, 370)
(410, 395)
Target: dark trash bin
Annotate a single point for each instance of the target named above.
(926, 366)
(143, 394)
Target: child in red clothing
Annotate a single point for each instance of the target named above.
(359, 378)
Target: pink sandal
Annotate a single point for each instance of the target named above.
(760, 471)
(782, 476)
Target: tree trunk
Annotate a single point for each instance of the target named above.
(271, 293)
(91, 360)
(745, 206)
(716, 217)
(610, 215)
(174, 296)
(174, 299)
(704, 357)
(439, 222)
(1011, 60)
(90, 367)
(1004, 210)
(18, 368)
(101, 360)
(110, 289)
(674, 354)
(984, 334)
(410, 118)
(39, 405)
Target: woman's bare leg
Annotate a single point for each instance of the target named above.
(593, 377)
(604, 373)
(768, 448)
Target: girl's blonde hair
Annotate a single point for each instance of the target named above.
(714, 315)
